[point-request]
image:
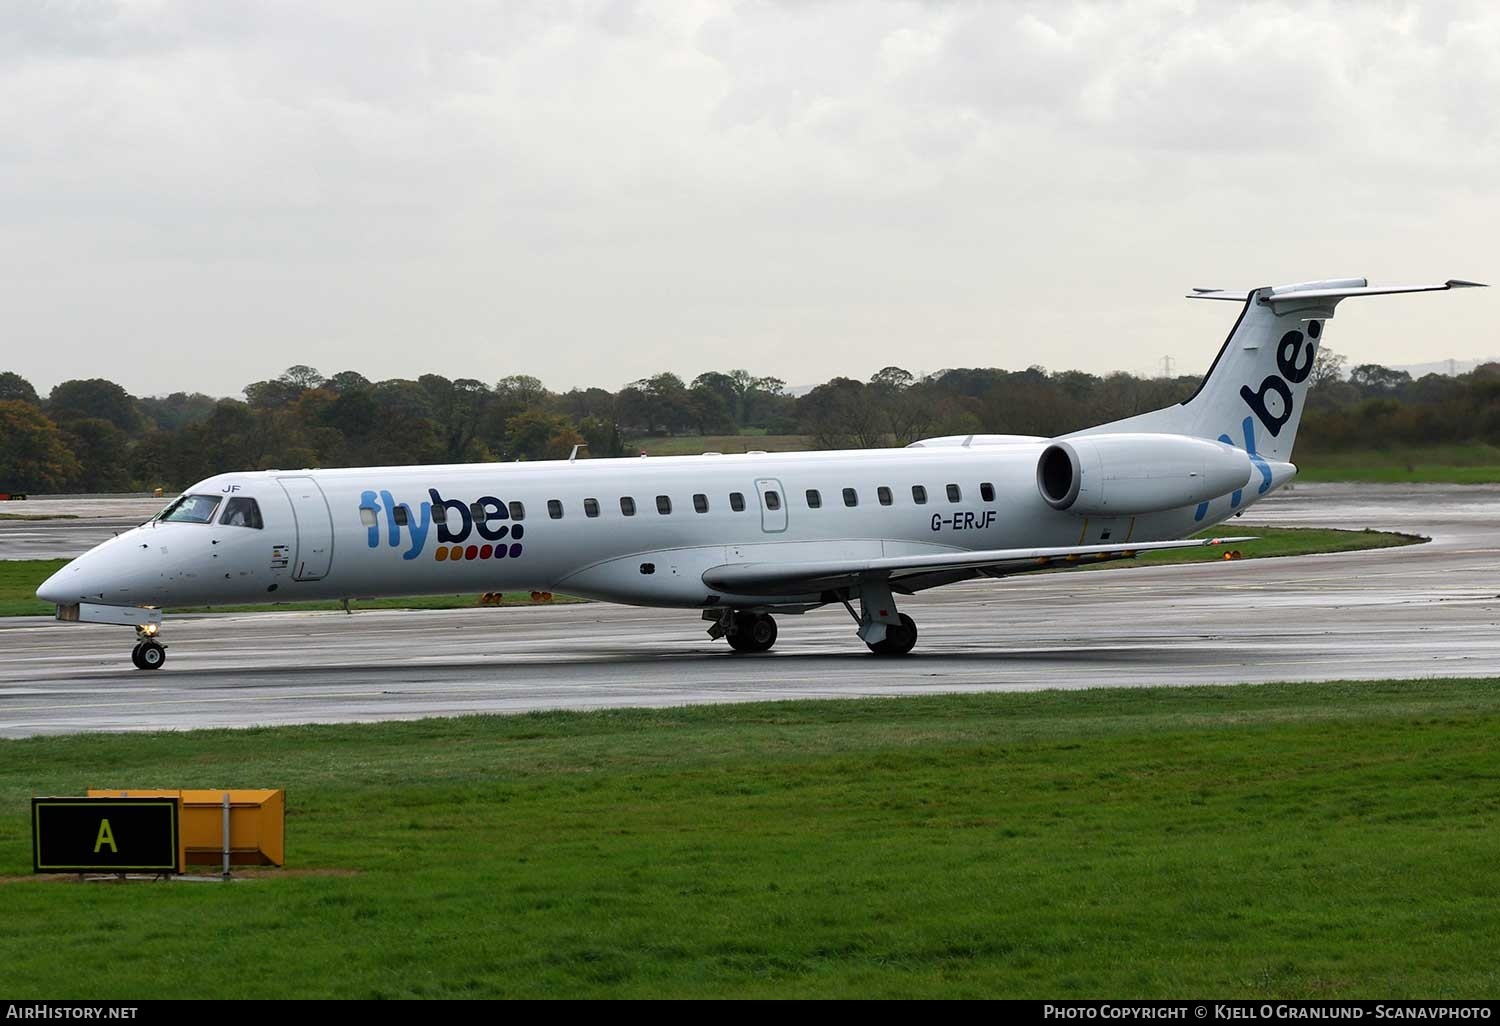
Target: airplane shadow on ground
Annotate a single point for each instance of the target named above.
(720, 666)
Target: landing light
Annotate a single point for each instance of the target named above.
(150, 629)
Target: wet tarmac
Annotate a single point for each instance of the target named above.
(1419, 611)
(66, 526)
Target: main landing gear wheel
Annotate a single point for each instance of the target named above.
(148, 655)
(898, 640)
(753, 632)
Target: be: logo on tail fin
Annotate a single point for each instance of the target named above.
(1294, 370)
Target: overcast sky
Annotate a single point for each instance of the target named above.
(194, 195)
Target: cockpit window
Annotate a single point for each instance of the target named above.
(191, 509)
(243, 512)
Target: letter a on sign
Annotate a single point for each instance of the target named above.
(106, 836)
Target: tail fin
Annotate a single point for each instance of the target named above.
(1252, 396)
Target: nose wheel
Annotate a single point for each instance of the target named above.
(148, 654)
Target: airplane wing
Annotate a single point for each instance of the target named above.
(907, 574)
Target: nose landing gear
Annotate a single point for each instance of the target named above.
(148, 653)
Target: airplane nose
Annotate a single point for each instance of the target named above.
(52, 589)
(85, 579)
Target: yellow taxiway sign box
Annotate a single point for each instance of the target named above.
(257, 824)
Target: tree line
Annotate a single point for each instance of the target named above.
(92, 435)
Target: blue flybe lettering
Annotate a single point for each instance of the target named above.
(1256, 460)
(395, 524)
(493, 509)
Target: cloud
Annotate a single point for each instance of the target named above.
(196, 195)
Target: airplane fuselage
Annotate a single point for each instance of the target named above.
(639, 531)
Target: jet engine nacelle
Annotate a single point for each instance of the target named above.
(1127, 474)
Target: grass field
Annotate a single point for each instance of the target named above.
(38, 516)
(693, 445)
(1327, 840)
(18, 583)
(1447, 464)
(19, 578)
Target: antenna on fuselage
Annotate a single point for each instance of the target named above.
(574, 454)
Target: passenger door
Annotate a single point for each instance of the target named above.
(314, 528)
(772, 505)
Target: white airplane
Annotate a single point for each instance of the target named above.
(742, 536)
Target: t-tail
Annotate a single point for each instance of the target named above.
(1253, 395)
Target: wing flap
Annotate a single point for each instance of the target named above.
(818, 575)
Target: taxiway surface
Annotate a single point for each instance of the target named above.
(1423, 610)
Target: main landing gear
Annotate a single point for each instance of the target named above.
(885, 630)
(753, 632)
(745, 632)
(148, 653)
(899, 639)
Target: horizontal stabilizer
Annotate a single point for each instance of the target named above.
(818, 575)
(1341, 288)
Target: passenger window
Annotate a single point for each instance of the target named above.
(518, 511)
(241, 512)
(884, 495)
(401, 515)
(484, 511)
(367, 516)
(919, 495)
(439, 514)
(191, 509)
(953, 493)
(851, 497)
(986, 491)
(627, 505)
(773, 501)
(700, 503)
(663, 505)
(591, 507)
(554, 509)
(737, 502)
(814, 500)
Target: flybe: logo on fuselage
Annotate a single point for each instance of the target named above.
(487, 517)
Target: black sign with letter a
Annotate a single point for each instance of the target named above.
(104, 835)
